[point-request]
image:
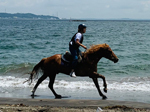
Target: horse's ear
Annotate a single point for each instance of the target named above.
(106, 45)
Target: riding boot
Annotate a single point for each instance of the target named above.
(72, 73)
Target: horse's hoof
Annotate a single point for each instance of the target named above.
(32, 94)
(58, 96)
(104, 97)
(105, 90)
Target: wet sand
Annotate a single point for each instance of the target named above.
(67, 105)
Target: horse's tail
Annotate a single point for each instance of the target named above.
(35, 70)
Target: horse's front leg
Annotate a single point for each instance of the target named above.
(103, 78)
(98, 88)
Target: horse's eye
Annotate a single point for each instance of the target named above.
(109, 51)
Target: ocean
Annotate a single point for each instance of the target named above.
(23, 43)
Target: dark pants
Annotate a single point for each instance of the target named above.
(74, 53)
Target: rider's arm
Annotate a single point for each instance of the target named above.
(78, 42)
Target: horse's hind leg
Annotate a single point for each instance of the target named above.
(51, 83)
(43, 77)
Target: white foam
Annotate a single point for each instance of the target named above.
(124, 84)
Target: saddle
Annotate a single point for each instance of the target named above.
(67, 57)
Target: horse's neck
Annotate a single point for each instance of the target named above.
(93, 58)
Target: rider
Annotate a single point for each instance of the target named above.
(74, 45)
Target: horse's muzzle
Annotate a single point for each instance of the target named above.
(116, 60)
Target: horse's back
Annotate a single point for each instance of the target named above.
(53, 58)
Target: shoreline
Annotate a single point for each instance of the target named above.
(13, 104)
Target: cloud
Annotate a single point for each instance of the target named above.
(146, 5)
(107, 6)
(80, 9)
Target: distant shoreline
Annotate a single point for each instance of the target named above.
(74, 20)
(26, 16)
(30, 16)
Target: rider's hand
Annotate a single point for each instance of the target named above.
(85, 47)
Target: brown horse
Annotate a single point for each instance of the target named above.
(88, 67)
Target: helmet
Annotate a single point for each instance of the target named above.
(81, 27)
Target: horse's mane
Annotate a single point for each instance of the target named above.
(95, 48)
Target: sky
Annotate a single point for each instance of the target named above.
(98, 9)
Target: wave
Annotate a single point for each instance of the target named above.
(128, 84)
(16, 69)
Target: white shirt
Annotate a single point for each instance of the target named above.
(78, 36)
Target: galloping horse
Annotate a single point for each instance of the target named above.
(88, 67)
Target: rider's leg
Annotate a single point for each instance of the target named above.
(79, 55)
(74, 53)
(74, 64)
(79, 52)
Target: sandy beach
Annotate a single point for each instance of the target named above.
(65, 105)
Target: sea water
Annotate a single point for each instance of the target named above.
(23, 43)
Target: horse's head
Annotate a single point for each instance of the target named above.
(96, 52)
(109, 54)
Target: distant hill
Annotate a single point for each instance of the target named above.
(27, 16)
